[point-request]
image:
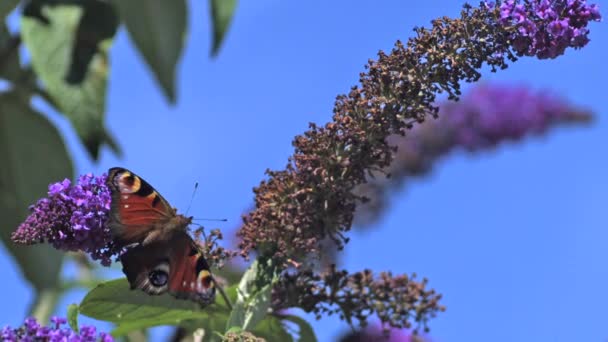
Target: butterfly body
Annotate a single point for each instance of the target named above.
(161, 256)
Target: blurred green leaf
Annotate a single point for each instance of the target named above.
(30, 143)
(245, 289)
(6, 7)
(305, 331)
(50, 46)
(114, 301)
(158, 29)
(98, 23)
(258, 307)
(73, 316)
(44, 304)
(10, 68)
(213, 326)
(222, 12)
(234, 330)
(272, 329)
(253, 296)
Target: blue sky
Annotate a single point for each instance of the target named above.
(514, 238)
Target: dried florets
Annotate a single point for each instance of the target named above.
(397, 301)
(243, 336)
(311, 200)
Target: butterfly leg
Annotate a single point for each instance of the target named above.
(154, 235)
(132, 245)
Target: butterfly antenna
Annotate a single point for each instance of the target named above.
(210, 219)
(192, 198)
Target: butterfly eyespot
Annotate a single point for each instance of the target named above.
(159, 276)
(204, 279)
(127, 183)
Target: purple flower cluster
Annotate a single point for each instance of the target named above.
(545, 28)
(490, 114)
(72, 218)
(33, 331)
(486, 116)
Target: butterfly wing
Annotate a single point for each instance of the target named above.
(176, 266)
(136, 208)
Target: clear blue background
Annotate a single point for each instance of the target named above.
(515, 239)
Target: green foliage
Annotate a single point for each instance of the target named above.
(68, 43)
(98, 23)
(131, 310)
(73, 316)
(10, 69)
(222, 12)
(257, 308)
(253, 296)
(115, 302)
(272, 329)
(305, 330)
(50, 46)
(69, 40)
(29, 144)
(6, 7)
(158, 30)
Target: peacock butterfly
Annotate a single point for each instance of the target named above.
(160, 254)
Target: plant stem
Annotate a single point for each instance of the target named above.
(44, 304)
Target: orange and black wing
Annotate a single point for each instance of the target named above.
(136, 207)
(175, 266)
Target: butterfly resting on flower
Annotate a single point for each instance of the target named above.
(160, 254)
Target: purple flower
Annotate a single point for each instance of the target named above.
(32, 331)
(486, 116)
(72, 218)
(494, 113)
(546, 28)
(8, 334)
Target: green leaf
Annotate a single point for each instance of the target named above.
(50, 46)
(253, 296)
(257, 308)
(73, 316)
(244, 292)
(306, 332)
(115, 302)
(6, 7)
(44, 304)
(213, 327)
(235, 330)
(158, 29)
(99, 22)
(10, 68)
(272, 329)
(222, 12)
(28, 143)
